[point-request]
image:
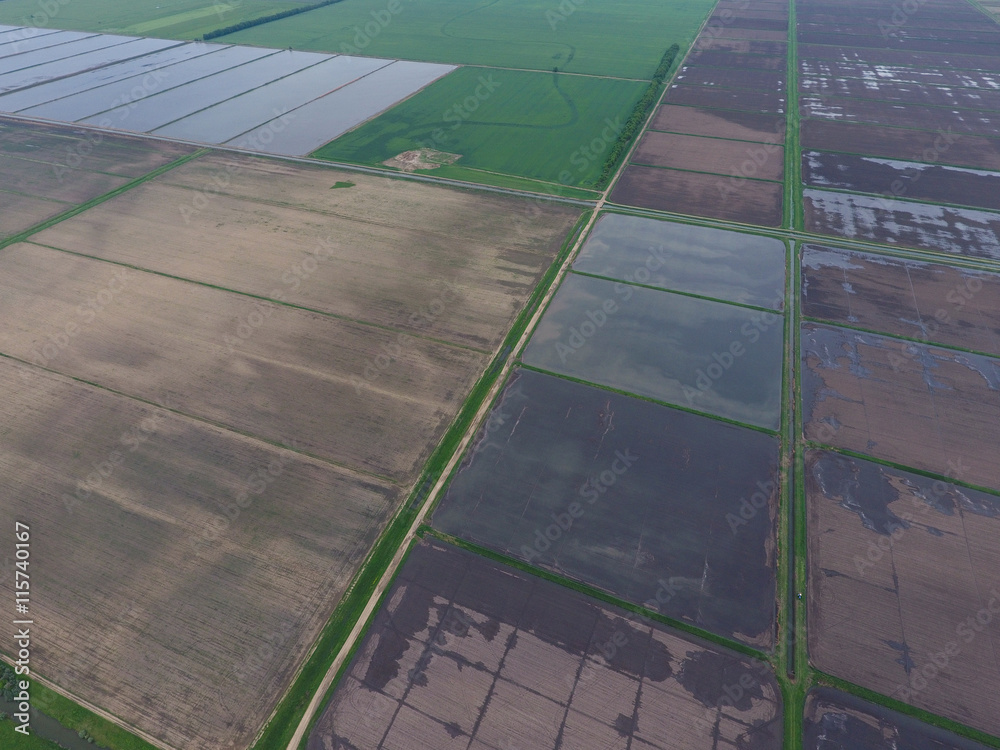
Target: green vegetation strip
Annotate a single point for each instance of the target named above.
(638, 117)
(265, 19)
(279, 730)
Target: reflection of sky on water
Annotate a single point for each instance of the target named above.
(700, 354)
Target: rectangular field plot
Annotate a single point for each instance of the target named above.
(927, 301)
(304, 385)
(466, 652)
(718, 123)
(699, 354)
(836, 721)
(972, 79)
(705, 55)
(913, 180)
(49, 170)
(182, 561)
(266, 100)
(529, 34)
(912, 404)
(382, 251)
(695, 194)
(905, 574)
(540, 126)
(729, 266)
(926, 60)
(937, 95)
(717, 98)
(964, 122)
(963, 231)
(895, 143)
(731, 78)
(626, 495)
(741, 46)
(765, 161)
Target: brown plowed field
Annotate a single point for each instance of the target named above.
(731, 78)
(962, 121)
(841, 51)
(736, 158)
(907, 93)
(983, 46)
(745, 101)
(931, 302)
(896, 143)
(720, 123)
(745, 201)
(727, 59)
(743, 46)
(975, 79)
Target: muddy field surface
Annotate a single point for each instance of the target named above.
(843, 52)
(839, 721)
(896, 143)
(927, 301)
(700, 354)
(745, 101)
(744, 201)
(982, 45)
(778, 22)
(890, 178)
(916, 405)
(413, 257)
(939, 119)
(634, 493)
(49, 170)
(762, 35)
(735, 158)
(899, 222)
(737, 59)
(470, 653)
(186, 569)
(724, 265)
(741, 46)
(731, 78)
(717, 123)
(904, 589)
(900, 74)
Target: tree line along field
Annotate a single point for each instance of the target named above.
(529, 34)
(541, 126)
(177, 19)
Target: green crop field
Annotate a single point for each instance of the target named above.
(541, 126)
(172, 19)
(624, 38)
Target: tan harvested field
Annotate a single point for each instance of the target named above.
(229, 460)
(394, 249)
(48, 170)
(719, 123)
(299, 376)
(736, 158)
(192, 648)
(899, 564)
(916, 405)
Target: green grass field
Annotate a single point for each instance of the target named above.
(172, 19)
(623, 38)
(11, 740)
(540, 126)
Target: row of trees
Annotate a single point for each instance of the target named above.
(264, 19)
(638, 116)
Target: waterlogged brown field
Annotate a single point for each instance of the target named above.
(926, 301)
(49, 170)
(717, 123)
(377, 250)
(468, 653)
(904, 590)
(184, 569)
(913, 404)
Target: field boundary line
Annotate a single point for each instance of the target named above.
(387, 577)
